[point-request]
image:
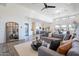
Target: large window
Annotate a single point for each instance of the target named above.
(65, 28)
(71, 28)
(57, 27)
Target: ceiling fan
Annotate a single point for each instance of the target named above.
(46, 6)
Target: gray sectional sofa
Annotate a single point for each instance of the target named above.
(74, 51)
(43, 51)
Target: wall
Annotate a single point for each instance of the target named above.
(16, 13)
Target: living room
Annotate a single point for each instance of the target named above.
(39, 29)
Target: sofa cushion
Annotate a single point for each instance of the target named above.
(63, 49)
(54, 44)
(75, 43)
(74, 51)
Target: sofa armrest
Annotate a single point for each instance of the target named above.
(43, 51)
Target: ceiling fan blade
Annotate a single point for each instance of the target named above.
(45, 4)
(51, 7)
(43, 9)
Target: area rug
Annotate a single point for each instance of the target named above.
(25, 49)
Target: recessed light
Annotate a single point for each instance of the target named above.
(58, 11)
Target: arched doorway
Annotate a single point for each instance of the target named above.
(12, 31)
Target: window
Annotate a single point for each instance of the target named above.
(71, 28)
(57, 27)
(64, 27)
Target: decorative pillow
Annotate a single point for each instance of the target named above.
(63, 49)
(45, 44)
(54, 44)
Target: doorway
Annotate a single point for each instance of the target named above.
(26, 31)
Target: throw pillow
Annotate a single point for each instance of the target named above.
(54, 44)
(44, 44)
(63, 49)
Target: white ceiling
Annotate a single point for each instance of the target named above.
(62, 9)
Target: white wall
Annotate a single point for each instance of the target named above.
(15, 13)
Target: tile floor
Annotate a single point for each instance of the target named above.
(4, 50)
(7, 49)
